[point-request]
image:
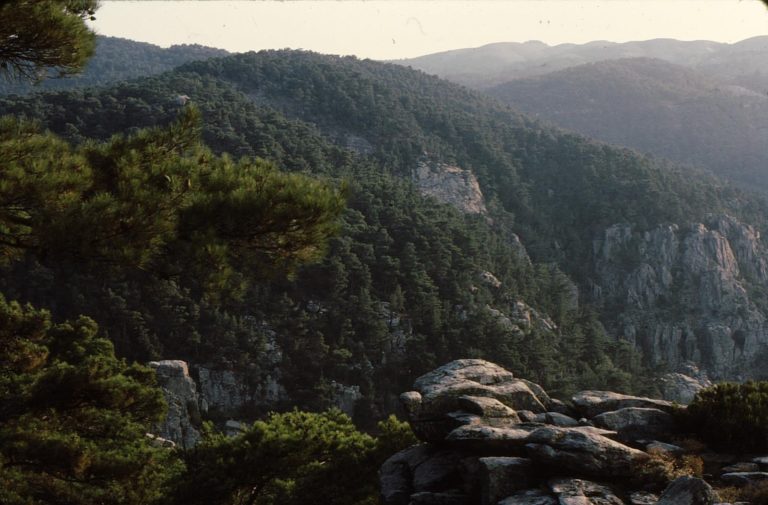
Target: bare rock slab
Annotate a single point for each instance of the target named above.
(592, 403)
(583, 492)
(582, 451)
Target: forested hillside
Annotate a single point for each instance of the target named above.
(656, 107)
(404, 286)
(401, 290)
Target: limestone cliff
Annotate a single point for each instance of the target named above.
(450, 184)
(687, 293)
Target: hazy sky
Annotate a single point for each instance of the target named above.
(392, 29)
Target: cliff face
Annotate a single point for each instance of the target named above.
(450, 184)
(687, 293)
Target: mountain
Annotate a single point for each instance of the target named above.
(501, 62)
(656, 107)
(528, 269)
(115, 60)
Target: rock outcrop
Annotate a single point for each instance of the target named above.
(491, 439)
(686, 294)
(450, 184)
(681, 387)
(183, 419)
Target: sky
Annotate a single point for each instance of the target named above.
(393, 29)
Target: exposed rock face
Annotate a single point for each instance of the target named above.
(450, 184)
(685, 293)
(345, 397)
(183, 419)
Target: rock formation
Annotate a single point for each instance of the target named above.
(450, 184)
(183, 419)
(494, 439)
(686, 293)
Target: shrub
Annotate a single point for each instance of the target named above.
(755, 494)
(661, 467)
(731, 417)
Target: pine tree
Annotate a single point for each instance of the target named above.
(73, 417)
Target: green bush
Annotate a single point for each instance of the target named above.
(731, 416)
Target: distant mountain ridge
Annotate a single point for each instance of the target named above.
(494, 64)
(656, 107)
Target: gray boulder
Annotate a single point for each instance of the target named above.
(502, 476)
(682, 388)
(396, 474)
(488, 438)
(743, 466)
(637, 422)
(582, 450)
(662, 448)
(592, 403)
(741, 479)
(643, 498)
(558, 419)
(439, 472)
(427, 498)
(529, 497)
(688, 491)
(468, 385)
(583, 492)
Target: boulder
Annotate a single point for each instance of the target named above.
(396, 473)
(502, 476)
(439, 472)
(741, 467)
(583, 492)
(741, 479)
(681, 388)
(688, 491)
(643, 498)
(592, 403)
(488, 438)
(583, 451)
(637, 422)
(427, 498)
(558, 419)
(486, 407)
(762, 461)
(468, 385)
(662, 448)
(529, 497)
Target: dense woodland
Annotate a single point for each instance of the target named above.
(139, 228)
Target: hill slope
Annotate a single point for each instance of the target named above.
(412, 282)
(656, 107)
(494, 64)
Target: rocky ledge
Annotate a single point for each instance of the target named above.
(492, 438)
